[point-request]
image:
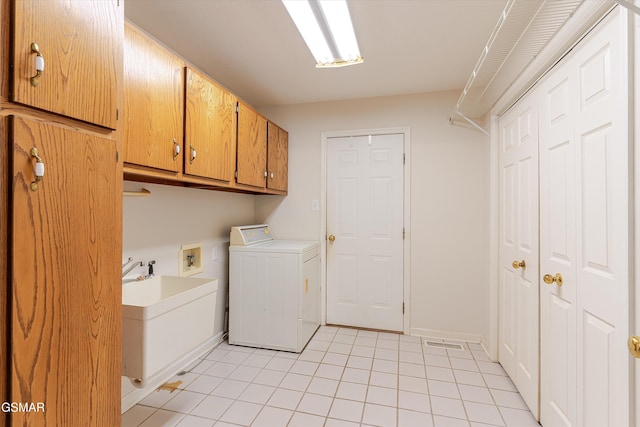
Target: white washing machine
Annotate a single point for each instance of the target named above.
(274, 291)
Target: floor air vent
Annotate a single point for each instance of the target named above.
(440, 344)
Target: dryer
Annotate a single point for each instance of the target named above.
(273, 289)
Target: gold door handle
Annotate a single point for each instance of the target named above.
(39, 172)
(518, 264)
(549, 279)
(331, 238)
(634, 346)
(35, 80)
(193, 154)
(176, 148)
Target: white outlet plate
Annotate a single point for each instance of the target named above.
(214, 253)
(315, 205)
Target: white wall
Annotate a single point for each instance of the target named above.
(449, 200)
(155, 227)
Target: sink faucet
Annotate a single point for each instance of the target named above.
(127, 270)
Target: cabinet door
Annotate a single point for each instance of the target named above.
(277, 158)
(210, 129)
(81, 44)
(252, 147)
(66, 291)
(4, 270)
(154, 103)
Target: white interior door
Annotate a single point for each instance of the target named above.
(365, 231)
(518, 296)
(558, 250)
(584, 165)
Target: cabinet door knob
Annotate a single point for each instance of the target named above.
(193, 154)
(39, 169)
(272, 175)
(331, 238)
(35, 80)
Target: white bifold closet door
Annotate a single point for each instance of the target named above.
(518, 281)
(584, 233)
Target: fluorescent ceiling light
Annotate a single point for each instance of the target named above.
(325, 26)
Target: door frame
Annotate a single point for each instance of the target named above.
(406, 132)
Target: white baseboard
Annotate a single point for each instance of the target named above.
(485, 346)
(448, 335)
(131, 398)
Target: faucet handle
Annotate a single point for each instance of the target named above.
(150, 264)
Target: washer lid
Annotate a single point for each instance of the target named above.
(279, 246)
(245, 235)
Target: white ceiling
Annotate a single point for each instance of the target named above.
(253, 48)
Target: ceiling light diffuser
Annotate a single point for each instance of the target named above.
(325, 26)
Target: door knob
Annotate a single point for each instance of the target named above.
(634, 346)
(331, 238)
(518, 264)
(549, 279)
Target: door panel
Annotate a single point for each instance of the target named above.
(365, 214)
(277, 157)
(210, 129)
(83, 61)
(66, 297)
(519, 289)
(603, 194)
(252, 147)
(558, 250)
(153, 103)
(584, 194)
(4, 269)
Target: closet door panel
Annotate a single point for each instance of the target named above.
(508, 283)
(557, 250)
(603, 195)
(584, 232)
(519, 298)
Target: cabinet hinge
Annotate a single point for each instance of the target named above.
(402, 308)
(117, 114)
(403, 233)
(117, 156)
(404, 159)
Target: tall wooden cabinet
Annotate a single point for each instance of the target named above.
(61, 217)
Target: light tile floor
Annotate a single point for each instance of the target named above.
(345, 377)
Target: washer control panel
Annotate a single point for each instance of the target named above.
(246, 235)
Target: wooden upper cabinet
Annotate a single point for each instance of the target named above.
(153, 103)
(252, 147)
(277, 158)
(210, 129)
(80, 44)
